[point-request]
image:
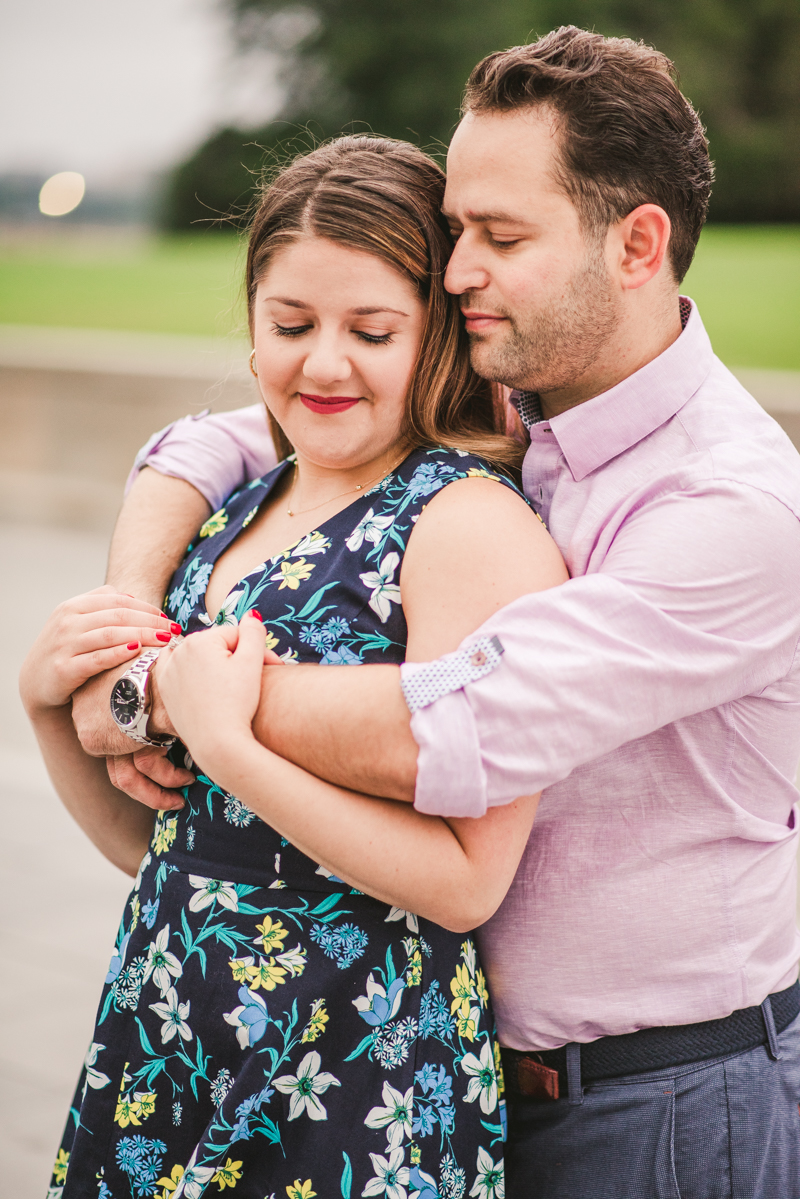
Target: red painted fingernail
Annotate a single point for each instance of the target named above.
(257, 615)
(175, 628)
(163, 636)
(133, 645)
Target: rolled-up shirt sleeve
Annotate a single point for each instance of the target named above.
(215, 452)
(695, 604)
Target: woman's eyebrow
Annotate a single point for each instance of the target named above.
(373, 311)
(288, 301)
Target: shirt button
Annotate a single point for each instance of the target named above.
(478, 658)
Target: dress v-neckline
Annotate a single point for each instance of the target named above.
(278, 473)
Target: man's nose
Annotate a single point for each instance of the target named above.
(465, 271)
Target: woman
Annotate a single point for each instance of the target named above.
(286, 1011)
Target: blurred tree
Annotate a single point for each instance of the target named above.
(398, 67)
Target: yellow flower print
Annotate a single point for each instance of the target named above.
(134, 912)
(272, 934)
(249, 517)
(215, 524)
(480, 988)
(266, 975)
(498, 1069)
(271, 640)
(60, 1166)
(316, 1025)
(294, 573)
(466, 1027)
(170, 1184)
(461, 986)
(300, 1190)
(414, 972)
(146, 1102)
(164, 834)
(242, 969)
(127, 1111)
(227, 1175)
(476, 472)
(416, 1154)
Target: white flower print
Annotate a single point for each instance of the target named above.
(194, 1181)
(384, 591)
(209, 889)
(226, 612)
(391, 1177)
(482, 1078)
(145, 862)
(174, 1015)
(305, 1086)
(412, 922)
(490, 1183)
(294, 960)
(369, 528)
(94, 1078)
(312, 543)
(163, 966)
(395, 1117)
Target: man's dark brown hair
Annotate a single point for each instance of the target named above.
(628, 136)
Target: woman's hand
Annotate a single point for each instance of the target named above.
(210, 685)
(97, 631)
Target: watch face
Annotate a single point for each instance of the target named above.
(125, 701)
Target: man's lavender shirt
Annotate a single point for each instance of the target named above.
(654, 698)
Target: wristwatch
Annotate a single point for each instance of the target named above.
(129, 701)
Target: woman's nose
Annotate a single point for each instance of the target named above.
(327, 362)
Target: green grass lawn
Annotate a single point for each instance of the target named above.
(746, 280)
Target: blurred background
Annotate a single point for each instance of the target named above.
(132, 141)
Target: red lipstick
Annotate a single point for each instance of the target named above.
(329, 404)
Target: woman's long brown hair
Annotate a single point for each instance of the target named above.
(384, 197)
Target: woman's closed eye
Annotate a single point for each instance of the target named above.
(374, 339)
(290, 330)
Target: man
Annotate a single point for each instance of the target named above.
(643, 964)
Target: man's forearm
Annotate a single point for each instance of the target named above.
(159, 518)
(361, 725)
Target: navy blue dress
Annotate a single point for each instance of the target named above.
(264, 1028)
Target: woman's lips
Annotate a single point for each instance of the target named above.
(329, 404)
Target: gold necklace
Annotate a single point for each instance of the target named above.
(358, 487)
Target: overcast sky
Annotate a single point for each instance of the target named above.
(112, 88)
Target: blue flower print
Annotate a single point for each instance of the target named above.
(422, 1185)
(437, 1106)
(150, 912)
(434, 1016)
(117, 958)
(316, 637)
(250, 1019)
(380, 1004)
(337, 627)
(340, 656)
(427, 478)
(140, 1158)
(345, 944)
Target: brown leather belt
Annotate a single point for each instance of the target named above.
(544, 1074)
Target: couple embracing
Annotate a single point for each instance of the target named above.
(577, 728)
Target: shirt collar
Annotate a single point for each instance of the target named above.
(592, 433)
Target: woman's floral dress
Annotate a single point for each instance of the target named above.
(265, 1029)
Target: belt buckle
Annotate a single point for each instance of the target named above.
(535, 1080)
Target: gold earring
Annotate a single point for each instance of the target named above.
(253, 370)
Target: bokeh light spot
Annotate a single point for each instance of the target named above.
(61, 193)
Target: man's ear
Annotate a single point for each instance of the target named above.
(638, 244)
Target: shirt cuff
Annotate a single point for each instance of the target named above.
(451, 780)
(152, 445)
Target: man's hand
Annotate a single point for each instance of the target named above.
(149, 777)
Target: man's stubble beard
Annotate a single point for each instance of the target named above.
(552, 349)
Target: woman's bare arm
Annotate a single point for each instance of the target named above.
(470, 556)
